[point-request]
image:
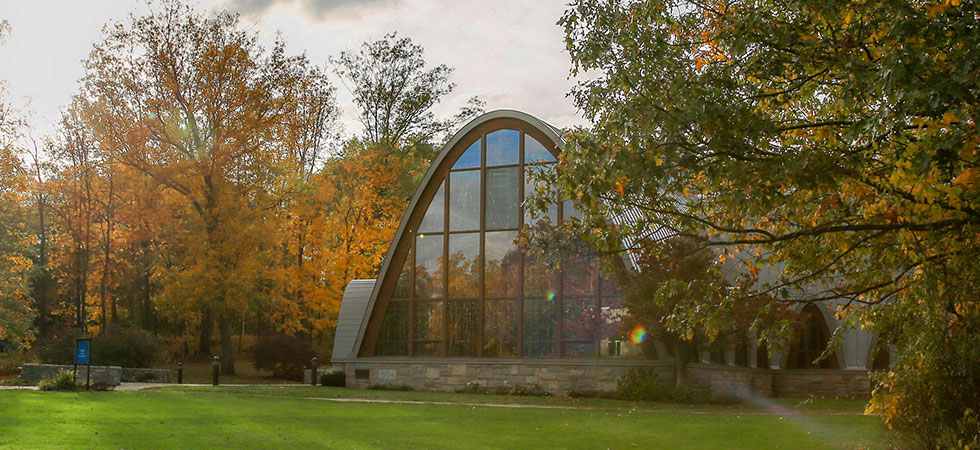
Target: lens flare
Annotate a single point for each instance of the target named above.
(638, 334)
(551, 296)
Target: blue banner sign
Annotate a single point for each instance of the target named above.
(81, 353)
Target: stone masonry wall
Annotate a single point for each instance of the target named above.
(562, 376)
(100, 374)
(821, 383)
(146, 375)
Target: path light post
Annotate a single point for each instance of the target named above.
(313, 373)
(215, 368)
(180, 373)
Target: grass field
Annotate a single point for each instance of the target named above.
(284, 417)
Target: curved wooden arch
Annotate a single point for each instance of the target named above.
(401, 243)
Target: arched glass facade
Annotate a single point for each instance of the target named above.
(464, 288)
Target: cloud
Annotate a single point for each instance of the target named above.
(318, 9)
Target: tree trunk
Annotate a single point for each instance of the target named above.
(204, 345)
(227, 349)
(682, 350)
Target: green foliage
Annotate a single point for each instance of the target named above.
(284, 355)
(63, 381)
(592, 393)
(834, 144)
(57, 350)
(391, 387)
(642, 385)
(523, 390)
(126, 346)
(335, 378)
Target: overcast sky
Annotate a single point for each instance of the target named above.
(508, 52)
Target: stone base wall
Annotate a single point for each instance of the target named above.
(821, 383)
(146, 375)
(319, 371)
(559, 377)
(100, 374)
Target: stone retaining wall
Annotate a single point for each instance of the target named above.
(562, 376)
(131, 375)
(319, 371)
(100, 374)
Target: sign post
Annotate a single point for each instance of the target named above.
(82, 347)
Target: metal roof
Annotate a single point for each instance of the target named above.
(353, 315)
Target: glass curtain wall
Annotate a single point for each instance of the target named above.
(467, 290)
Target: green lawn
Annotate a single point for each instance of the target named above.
(194, 419)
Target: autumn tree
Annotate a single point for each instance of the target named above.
(199, 106)
(837, 139)
(16, 315)
(395, 92)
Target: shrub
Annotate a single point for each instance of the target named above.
(391, 387)
(591, 393)
(335, 378)
(63, 381)
(472, 388)
(638, 384)
(531, 390)
(126, 346)
(103, 387)
(284, 355)
(118, 345)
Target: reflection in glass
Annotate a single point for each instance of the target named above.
(464, 200)
(579, 276)
(535, 152)
(579, 319)
(393, 338)
(464, 328)
(428, 267)
(608, 282)
(539, 327)
(470, 158)
(503, 197)
(611, 316)
(539, 279)
(578, 349)
(434, 217)
(503, 147)
(500, 333)
(403, 286)
(464, 265)
(533, 187)
(427, 326)
(502, 264)
(569, 210)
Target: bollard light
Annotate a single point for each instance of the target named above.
(313, 373)
(215, 368)
(180, 373)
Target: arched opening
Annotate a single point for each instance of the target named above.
(810, 341)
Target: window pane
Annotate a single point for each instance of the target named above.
(539, 279)
(464, 200)
(533, 187)
(428, 266)
(503, 147)
(539, 328)
(503, 264)
(569, 210)
(428, 349)
(609, 285)
(579, 276)
(464, 328)
(611, 319)
(503, 197)
(393, 338)
(403, 286)
(578, 349)
(500, 329)
(470, 158)
(435, 215)
(428, 322)
(579, 319)
(535, 152)
(464, 265)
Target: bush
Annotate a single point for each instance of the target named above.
(118, 345)
(284, 355)
(638, 384)
(592, 393)
(103, 387)
(335, 378)
(63, 381)
(473, 388)
(391, 387)
(126, 346)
